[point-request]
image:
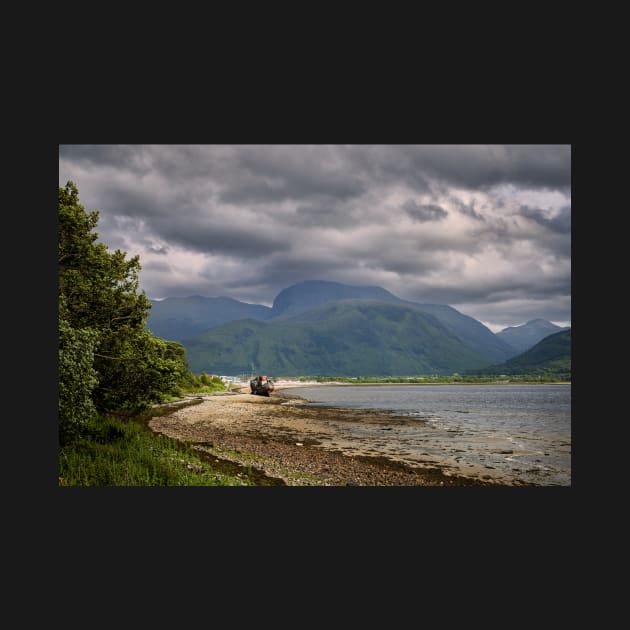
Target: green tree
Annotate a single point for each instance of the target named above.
(99, 290)
(77, 377)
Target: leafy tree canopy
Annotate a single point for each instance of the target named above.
(109, 361)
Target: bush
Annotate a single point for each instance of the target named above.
(77, 379)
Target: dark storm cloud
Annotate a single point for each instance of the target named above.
(469, 166)
(382, 165)
(490, 224)
(481, 167)
(257, 189)
(258, 173)
(500, 290)
(128, 201)
(560, 223)
(311, 215)
(423, 212)
(329, 215)
(127, 157)
(238, 241)
(275, 174)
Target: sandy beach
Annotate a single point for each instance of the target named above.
(290, 443)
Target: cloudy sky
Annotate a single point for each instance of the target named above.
(484, 228)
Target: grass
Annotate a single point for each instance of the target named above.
(123, 451)
(112, 452)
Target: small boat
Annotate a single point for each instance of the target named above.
(261, 385)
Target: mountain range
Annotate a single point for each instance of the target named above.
(321, 327)
(524, 337)
(178, 318)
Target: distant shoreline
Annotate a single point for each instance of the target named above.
(280, 385)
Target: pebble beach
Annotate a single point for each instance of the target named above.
(288, 442)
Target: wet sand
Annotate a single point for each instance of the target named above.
(286, 442)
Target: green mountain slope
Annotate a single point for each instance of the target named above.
(304, 296)
(549, 357)
(176, 318)
(471, 331)
(349, 337)
(180, 318)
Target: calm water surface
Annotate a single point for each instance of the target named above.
(504, 432)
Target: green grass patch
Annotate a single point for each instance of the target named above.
(111, 452)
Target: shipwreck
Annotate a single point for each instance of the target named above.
(261, 385)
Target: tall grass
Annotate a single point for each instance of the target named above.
(116, 453)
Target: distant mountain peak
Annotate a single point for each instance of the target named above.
(304, 295)
(525, 336)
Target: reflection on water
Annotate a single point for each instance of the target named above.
(507, 432)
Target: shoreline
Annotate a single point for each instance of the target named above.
(288, 442)
(401, 383)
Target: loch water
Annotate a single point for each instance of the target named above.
(504, 432)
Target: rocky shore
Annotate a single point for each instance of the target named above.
(282, 441)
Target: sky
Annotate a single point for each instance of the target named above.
(483, 228)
